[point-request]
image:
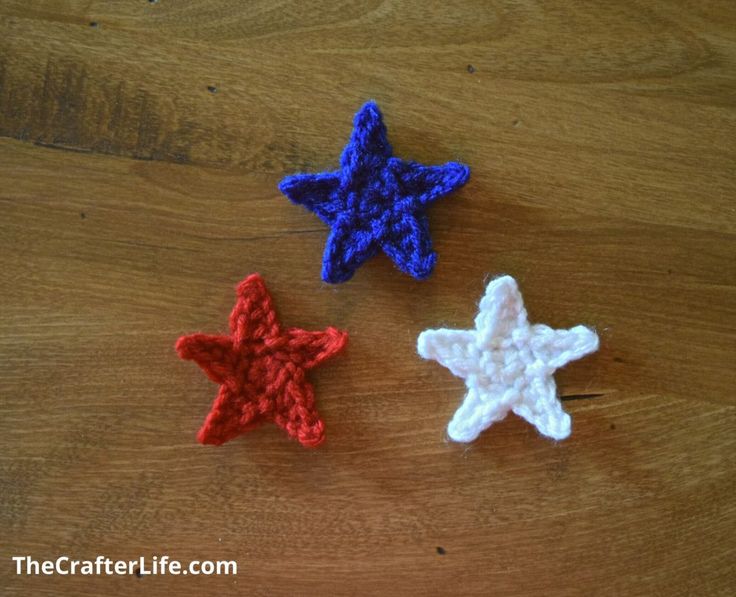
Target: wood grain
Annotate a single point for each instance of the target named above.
(140, 148)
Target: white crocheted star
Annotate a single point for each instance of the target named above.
(507, 364)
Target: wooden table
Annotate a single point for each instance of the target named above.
(142, 144)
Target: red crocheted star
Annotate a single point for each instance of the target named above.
(262, 370)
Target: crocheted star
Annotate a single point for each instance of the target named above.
(261, 369)
(507, 364)
(374, 202)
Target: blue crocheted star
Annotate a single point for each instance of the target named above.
(374, 201)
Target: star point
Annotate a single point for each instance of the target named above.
(375, 202)
(507, 364)
(261, 369)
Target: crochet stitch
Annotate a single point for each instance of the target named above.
(507, 364)
(261, 369)
(374, 201)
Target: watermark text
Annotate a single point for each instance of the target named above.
(104, 566)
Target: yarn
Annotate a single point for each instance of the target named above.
(261, 369)
(374, 202)
(507, 364)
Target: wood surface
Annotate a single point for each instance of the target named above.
(140, 148)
